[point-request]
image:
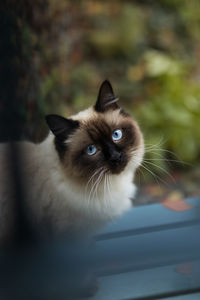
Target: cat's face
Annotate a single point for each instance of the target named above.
(102, 139)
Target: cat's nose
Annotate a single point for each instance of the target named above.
(115, 156)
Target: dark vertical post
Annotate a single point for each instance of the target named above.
(11, 121)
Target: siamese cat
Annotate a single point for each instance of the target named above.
(81, 176)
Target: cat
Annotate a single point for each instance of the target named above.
(81, 176)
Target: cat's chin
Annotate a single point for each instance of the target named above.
(117, 170)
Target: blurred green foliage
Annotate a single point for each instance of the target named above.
(149, 50)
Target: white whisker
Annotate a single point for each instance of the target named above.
(109, 186)
(96, 184)
(93, 175)
(160, 168)
(92, 183)
(156, 177)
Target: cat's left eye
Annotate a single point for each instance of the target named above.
(117, 135)
(91, 150)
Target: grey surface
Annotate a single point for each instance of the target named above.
(137, 256)
(148, 250)
(195, 296)
(145, 283)
(150, 218)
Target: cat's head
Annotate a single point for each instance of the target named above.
(101, 139)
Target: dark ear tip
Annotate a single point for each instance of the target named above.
(51, 119)
(106, 87)
(48, 119)
(106, 82)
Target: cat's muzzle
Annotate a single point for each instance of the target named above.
(117, 162)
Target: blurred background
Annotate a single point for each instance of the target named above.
(55, 54)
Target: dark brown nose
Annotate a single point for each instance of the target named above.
(115, 157)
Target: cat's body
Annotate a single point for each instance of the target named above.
(67, 189)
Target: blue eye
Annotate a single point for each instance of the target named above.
(91, 150)
(117, 135)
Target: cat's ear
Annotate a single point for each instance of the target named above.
(61, 127)
(106, 98)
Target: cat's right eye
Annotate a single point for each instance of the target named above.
(91, 150)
